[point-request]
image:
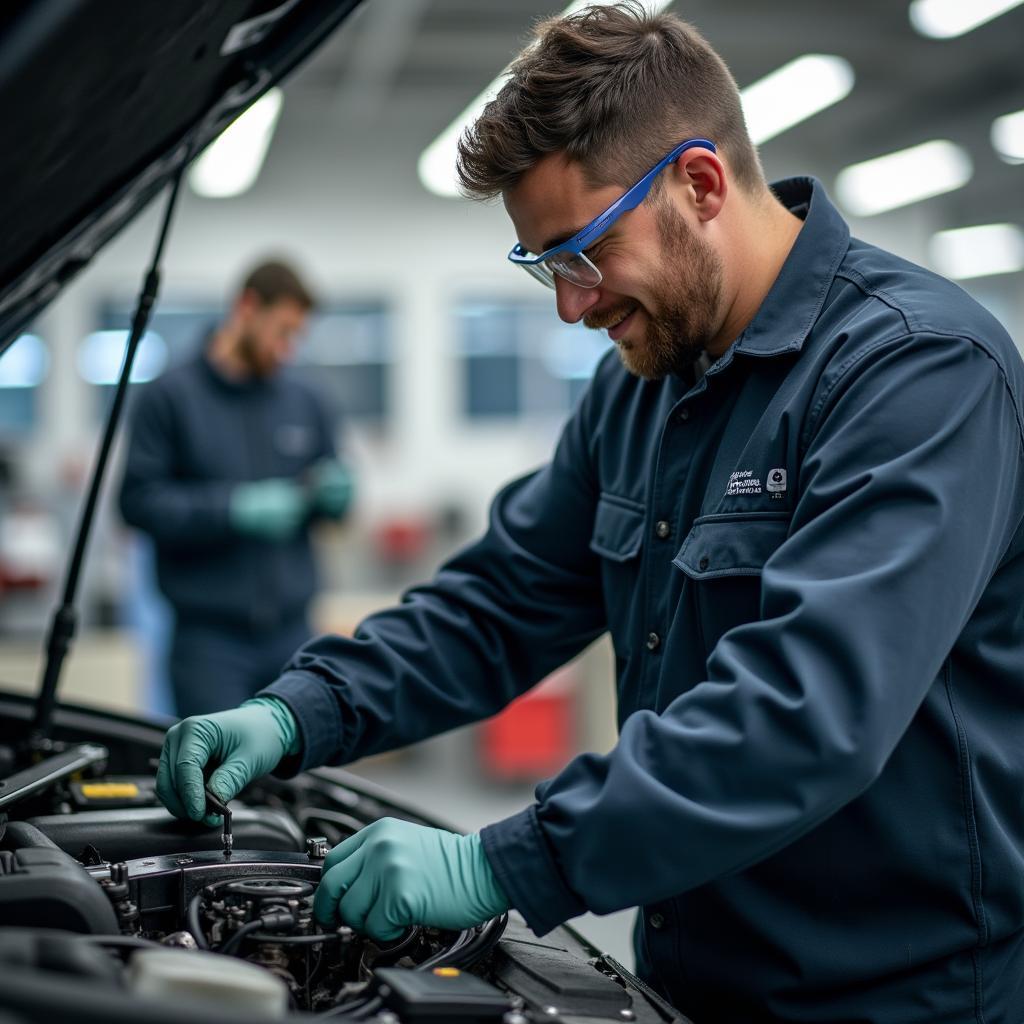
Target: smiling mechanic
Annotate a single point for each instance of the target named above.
(795, 502)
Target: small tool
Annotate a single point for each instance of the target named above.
(214, 805)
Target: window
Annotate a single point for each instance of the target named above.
(23, 367)
(520, 361)
(346, 353)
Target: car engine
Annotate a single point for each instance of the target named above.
(108, 904)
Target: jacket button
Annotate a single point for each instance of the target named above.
(663, 529)
(656, 920)
(653, 641)
(684, 415)
(703, 563)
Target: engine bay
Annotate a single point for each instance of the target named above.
(108, 904)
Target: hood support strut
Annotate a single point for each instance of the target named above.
(65, 616)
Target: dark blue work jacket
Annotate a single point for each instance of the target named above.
(810, 564)
(195, 436)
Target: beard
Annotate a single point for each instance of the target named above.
(688, 292)
(251, 354)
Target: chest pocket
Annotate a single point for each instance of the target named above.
(723, 557)
(618, 538)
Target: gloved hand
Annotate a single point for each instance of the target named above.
(331, 488)
(392, 874)
(246, 742)
(273, 509)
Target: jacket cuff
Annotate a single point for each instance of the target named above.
(523, 864)
(317, 715)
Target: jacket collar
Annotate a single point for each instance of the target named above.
(791, 308)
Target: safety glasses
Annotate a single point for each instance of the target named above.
(567, 259)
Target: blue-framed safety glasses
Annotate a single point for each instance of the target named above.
(567, 259)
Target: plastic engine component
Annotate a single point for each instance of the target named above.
(173, 974)
(49, 889)
(443, 994)
(151, 831)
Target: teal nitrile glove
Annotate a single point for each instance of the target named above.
(392, 874)
(331, 487)
(272, 509)
(245, 743)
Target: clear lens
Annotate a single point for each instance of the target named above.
(575, 267)
(541, 272)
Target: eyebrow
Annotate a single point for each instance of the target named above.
(559, 239)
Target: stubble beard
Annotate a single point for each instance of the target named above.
(688, 292)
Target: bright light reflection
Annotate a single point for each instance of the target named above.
(978, 251)
(793, 93)
(904, 177)
(946, 19)
(1008, 137)
(231, 163)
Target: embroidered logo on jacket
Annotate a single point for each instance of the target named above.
(743, 481)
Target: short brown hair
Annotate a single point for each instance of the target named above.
(615, 88)
(275, 281)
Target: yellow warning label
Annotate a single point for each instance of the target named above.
(108, 790)
(447, 972)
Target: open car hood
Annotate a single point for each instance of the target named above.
(103, 100)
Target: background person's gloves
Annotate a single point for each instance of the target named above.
(273, 509)
(331, 488)
(245, 743)
(392, 874)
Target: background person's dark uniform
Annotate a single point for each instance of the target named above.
(815, 798)
(240, 602)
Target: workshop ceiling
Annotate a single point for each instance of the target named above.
(408, 67)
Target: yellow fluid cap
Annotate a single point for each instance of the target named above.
(108, 790)
(447, 972)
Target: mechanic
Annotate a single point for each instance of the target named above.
(796, 505)
(231, 459)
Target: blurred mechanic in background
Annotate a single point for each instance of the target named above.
(794, 498)
(230, 460)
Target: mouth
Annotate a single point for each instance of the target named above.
(616, 324)
(618, 329)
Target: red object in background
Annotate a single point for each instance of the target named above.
(535, 736)
(401, 540)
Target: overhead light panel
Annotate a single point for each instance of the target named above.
(231, 163)
(436, 165)
(945, 19)
(978, 251)
(793, 93)
(1008, 137)
(904, 177)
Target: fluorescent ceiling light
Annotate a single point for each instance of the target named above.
(231, 163)
(904, 177)
(436, 165)
(944, 19)
(1008, 137)
(793, 93)
(979, 251)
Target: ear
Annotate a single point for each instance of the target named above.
(703, 179)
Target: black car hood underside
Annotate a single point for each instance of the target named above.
(102, 101)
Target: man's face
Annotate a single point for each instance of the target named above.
(661, 291)
(269, 333)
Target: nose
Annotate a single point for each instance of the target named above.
(573, 301)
